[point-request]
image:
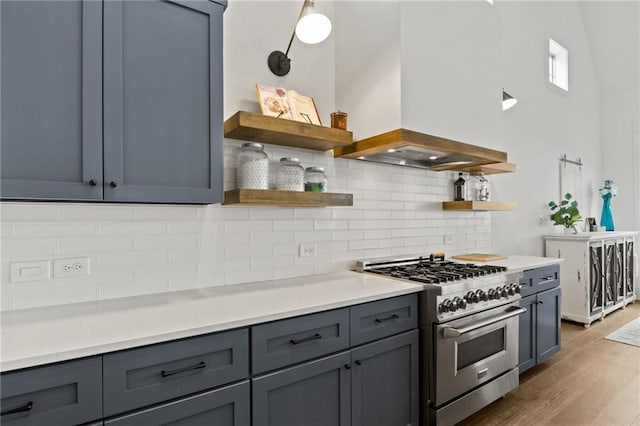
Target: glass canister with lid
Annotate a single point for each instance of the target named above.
(315, 180)
(253, 167)
(290, 176)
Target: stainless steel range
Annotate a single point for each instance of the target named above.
(469, 332)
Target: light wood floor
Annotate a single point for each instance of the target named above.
(591, 381)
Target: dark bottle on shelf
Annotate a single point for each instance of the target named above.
(460, 189)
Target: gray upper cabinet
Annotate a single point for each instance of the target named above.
(163, 101)
(128, 111)
(51, 59)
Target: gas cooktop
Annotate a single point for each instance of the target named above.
(431, 270)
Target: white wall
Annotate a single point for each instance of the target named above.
(614, 35)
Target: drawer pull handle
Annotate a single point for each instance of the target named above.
(549, 277)
(27, 407)
(316, 336)
(198, 366)
(381, 320)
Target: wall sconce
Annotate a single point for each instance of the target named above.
(507, 100)
(312, 27)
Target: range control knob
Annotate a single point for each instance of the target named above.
(515, 288)
(446, 305)
(459, 303)
(504, 292)
(491, 294)
(472, 297)
(481, 295)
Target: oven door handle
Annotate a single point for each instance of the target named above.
(448, 332)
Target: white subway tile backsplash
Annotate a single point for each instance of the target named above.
(47, 295)
(151, 212)
(19, 212)
(312, 236)
(331, 224)
(52, 229)
(28, 247)
(137, 257)
(141, 249)
(165, 241)
(132, 228)
(291, 225)
(95, 212)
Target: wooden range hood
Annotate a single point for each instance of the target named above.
(413, 149)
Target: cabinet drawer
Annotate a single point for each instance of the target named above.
(298, 339)
(140, 377)
(227, 406)
(375, 320)
(66, 393)
(540, 279)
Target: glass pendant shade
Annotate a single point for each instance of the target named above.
(313, 27)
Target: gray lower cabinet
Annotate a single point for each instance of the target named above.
(539, 328)
(385, 380)
(227, 406)
(316, 393)
(141, 377)
(58, 394)
(112, 101)
(372, 385)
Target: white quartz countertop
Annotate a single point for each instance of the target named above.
(521, 263)
(39, 336)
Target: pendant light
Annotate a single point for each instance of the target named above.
(312, 27)
(507, 100)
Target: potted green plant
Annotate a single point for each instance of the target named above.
(566, 213)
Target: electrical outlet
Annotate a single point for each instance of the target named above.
(75, 267)
(449, 239)
(307, 250)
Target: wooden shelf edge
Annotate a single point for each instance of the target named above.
(479, 205)
(268, 197)
(257, 127)
(488, 169)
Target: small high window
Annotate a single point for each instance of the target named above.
(558, 65)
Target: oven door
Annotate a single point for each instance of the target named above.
(473, 350)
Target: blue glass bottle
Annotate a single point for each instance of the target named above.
(606, 219)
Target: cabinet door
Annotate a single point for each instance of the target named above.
(228, 406)
(629, 271)
(527, 334)
(163, 101)
(618, 270)
(384, 385)
(595, 278)
(609, 273)
(547, 324)
(316, 393)
(51, 68)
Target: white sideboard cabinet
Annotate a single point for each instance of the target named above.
(598, 275)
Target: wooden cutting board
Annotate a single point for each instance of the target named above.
(479, 257)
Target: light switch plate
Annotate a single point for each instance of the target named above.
(37, 270)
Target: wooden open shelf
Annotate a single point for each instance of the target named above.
(267, 197)
(255, 127)
(488, 169)
(479, 205)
